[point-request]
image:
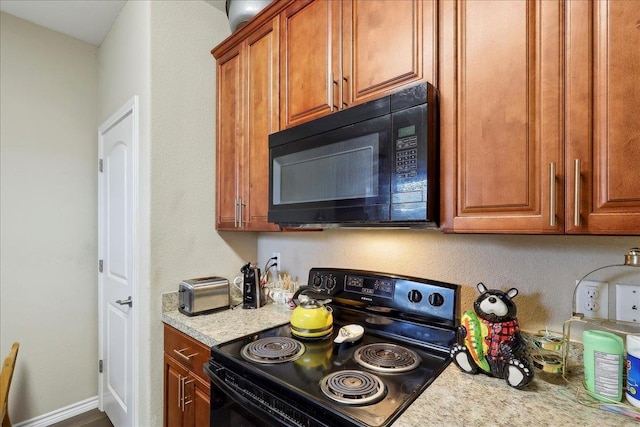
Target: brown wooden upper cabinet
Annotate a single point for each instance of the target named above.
(539, 104)
(247, 112)
(519, 125)
(335, 54)
(603, 117)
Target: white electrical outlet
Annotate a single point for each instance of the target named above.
(276, 258)
(592, 299)
(628, 302)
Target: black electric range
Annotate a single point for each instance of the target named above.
(409, 323)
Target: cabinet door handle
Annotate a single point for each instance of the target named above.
(236, 219)
(240, 210)
(347, 85)
(180, 391)
(182, 388)
(186, 402)
(332, 83)
(576, 193)
(184, 356)
(552, 194)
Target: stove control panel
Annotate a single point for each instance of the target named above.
(404, 295)
(379, 287)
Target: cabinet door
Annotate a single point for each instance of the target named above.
(262, 75)
(603, 117)
(228, 139)
(201, 405)
(386, 44)
(174, 373)
(310, 60)
(500, 106)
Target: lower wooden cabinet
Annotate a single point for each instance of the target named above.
(186, 386)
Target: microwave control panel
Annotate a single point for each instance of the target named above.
(409, 171)
(407, 153)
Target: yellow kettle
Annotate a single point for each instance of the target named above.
(311, 319)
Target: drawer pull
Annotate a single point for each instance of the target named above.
(184, 356)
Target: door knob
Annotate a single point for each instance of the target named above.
(127, 301)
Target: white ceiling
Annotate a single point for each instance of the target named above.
(86, 20)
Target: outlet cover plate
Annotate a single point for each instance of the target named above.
(628, 302)
(277, 260)
(592, 299)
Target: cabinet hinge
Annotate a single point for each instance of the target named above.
(100, 366)
(100, 266)
(100, 165)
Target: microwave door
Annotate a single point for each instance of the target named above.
(342, 176)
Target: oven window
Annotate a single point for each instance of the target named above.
(343, 170)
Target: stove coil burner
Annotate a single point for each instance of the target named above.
(353, 387)
(273, 350)
(384, 357)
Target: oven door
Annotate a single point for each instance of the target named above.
(231, 409)
(338, 177)
(236, 401)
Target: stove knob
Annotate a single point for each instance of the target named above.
(331, 282)
(414, 296)
(436, 299)
(316, 281)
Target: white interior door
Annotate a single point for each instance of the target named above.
(117, 198)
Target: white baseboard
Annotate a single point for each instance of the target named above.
(61, 414)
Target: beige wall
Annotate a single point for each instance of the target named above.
(184, 242)
(55, 93)
(48, 152)
(543, 268)
(125, 72)
(160, 51)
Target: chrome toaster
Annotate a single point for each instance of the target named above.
(203, 295)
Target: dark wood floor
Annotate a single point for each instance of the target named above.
(93, 418)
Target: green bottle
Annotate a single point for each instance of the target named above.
(603, 364)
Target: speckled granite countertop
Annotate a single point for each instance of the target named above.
(453, 399)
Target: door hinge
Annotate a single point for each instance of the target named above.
(100, 165)
(100, 366)
(100, 266)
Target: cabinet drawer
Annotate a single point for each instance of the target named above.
(187, 351)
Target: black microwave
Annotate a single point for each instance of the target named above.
(372, 165)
